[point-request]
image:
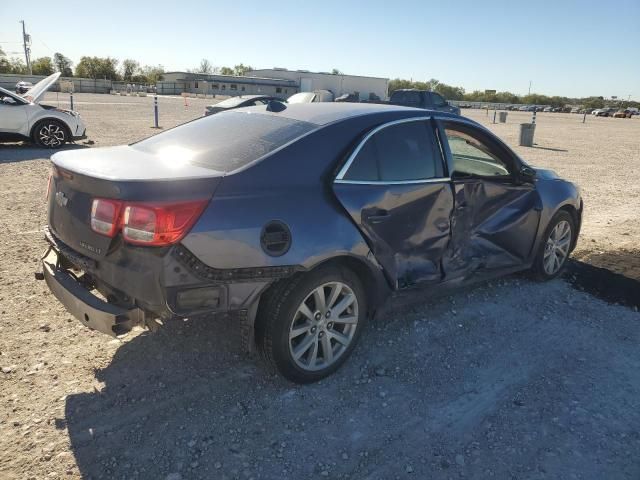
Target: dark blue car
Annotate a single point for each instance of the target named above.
(298, 221)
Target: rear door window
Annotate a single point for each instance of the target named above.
(226, 141)
(396, 153)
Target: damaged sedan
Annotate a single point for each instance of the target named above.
(298, 222)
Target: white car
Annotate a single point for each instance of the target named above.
(22, 117)
(311, 97)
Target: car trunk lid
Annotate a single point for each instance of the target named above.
(119, 173)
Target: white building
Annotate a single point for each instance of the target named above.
(175, 83)
(368, 88)
(278, 82)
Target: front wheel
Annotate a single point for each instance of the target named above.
(308, 326)
(50, 134)
(555, 247)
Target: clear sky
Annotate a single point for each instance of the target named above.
(564, 47)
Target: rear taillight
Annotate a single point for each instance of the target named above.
(161, 224)
(105, 216)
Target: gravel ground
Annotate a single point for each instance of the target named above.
(511, 379)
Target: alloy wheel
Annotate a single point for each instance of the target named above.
(51, 135)
(323, 326)
(556, 250)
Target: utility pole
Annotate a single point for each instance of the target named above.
(529, 87)
(26, 42)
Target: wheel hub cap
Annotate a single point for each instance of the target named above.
(323, 326)
(556, 250)
(51, 135)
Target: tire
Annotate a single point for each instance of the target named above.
(555, 242)
(50, 134)
(293, 339)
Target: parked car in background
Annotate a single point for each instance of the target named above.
(317, 96)
(421, 99)
(23, 87)
(348, 97)
(23, 117)
(239, 102)
(548, 109)
(603, 112)
(221, 215)
(622, 114)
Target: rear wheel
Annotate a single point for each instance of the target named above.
(307, 327)
(50, 134)
(556, 246)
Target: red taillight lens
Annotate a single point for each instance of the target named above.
(161, 224)
(105, 215)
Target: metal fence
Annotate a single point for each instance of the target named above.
(80, 85)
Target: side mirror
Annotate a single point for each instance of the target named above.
(8, 100)
(527, 173)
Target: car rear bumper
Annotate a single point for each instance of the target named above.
(175, 285)
(88, 308)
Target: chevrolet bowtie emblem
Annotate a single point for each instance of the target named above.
(61, 199)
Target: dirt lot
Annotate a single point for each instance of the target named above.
(512, 379)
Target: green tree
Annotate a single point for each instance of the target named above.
(97, 67)
(335, 71)
(63, 64)
(593, 102)
(13, 65)
(129, 68)
(205, 67)
(447, 91)
(42, 66)
(241, 69)
(227, 71)
(149, 74)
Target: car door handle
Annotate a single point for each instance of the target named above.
(377, 216)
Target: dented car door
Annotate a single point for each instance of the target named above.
(393, 185)
(495, 216)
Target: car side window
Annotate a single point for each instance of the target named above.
(400, 152)
(412, 99)
(473, 156)
(437, 100)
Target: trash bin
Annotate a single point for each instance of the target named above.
(526, 134)
(502, 117)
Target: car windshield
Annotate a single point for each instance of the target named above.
(302, 97)
(225, 142)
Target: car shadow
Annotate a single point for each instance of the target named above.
(160, 391)
(25, 151)
(605, 283)
(549, 148)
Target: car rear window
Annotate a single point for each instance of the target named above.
(225, 141)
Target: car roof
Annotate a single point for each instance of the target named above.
(323, 113)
